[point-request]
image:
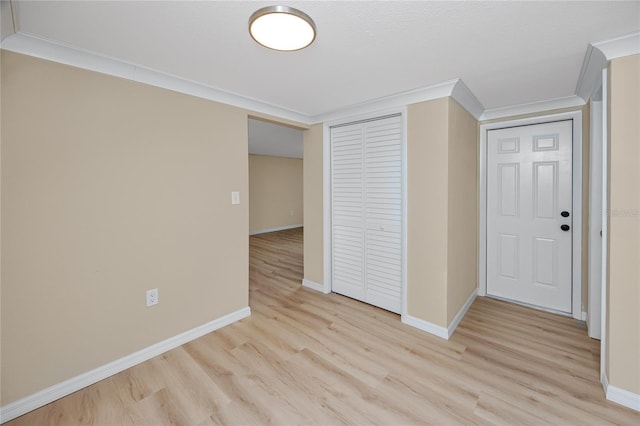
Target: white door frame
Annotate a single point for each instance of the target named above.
(576, 285)
(594, 322)
(326, 214)
(605, 229)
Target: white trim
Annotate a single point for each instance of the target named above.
(372, 115)
(577, 215)
(584, 316)
(326, 133)
(594, 323)
(465, 97)
(576, 116)
(437, 330)
(59, 390)
(405, 221)
(276, 229)
(618, 395)
(482, 214)
(605, 225)
(7, 8)
(621, 46)
(532, 108)
(313, 285)
(623, 397)
(326, 207)
(598, 55)
(454, 88)
(591, 72)
(44, 49)
(427, 326)
(371, 108)
(461, 313)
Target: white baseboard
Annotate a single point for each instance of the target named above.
(461, 313)
(57, 391)
(313, 285)
(584, 316)
(279, 228)
(427, 326)
(437, 330)
(605, 381)
(620, 396)
(623, 397)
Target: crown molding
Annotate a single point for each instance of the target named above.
(591, 73)
(7, 19)
(598, 56)
(621, 46)
(44, 49)
(454, 88)
(465, 97)
(532, 108)
(435, 91)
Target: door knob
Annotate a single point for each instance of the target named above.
(564, 214)
(565, 227)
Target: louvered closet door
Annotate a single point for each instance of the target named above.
(347, 146)
(367, 212)
(383, 213)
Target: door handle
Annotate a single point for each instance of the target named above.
(564, 213)
(565, 227)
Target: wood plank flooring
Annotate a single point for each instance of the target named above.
(308, 358)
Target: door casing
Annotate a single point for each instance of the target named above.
(576, 116)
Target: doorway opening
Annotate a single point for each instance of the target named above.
(275, 177)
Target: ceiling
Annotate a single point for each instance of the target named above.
(507, 53)
(274, 140)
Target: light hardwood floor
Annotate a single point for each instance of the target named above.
(309, 358)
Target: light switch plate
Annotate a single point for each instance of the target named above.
(235, 198)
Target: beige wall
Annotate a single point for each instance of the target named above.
(427, 216)
(462, 230)
(110, 188)
(275, 190)
(313, 205)
(623, 304)
(441, 209)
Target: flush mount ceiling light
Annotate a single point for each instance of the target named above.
(282, 28)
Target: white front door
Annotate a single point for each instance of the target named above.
(529, 214)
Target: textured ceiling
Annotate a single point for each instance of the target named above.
(507, 53)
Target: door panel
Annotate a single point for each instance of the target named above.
(545, 184)
(529, 184)
(366, 160)
(347, 210)
(508, 256)
(509, 189)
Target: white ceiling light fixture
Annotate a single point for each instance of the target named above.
(282, 28)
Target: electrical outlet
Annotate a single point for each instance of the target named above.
(152, 297)
(291, 213)
(235, 197)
